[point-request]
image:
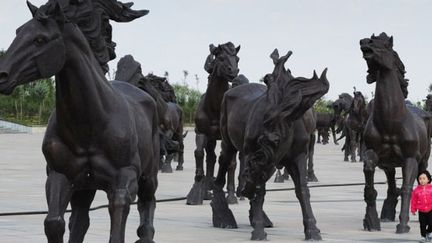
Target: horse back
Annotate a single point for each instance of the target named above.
(239, 118)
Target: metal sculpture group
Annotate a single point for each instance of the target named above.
(394, 136)
(268, 126)
(110, 136)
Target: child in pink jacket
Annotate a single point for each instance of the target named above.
(421, 200)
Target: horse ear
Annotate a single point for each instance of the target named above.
(33, 8)
(391, 41)
(237, 49)
(275, 56)
(212, 48)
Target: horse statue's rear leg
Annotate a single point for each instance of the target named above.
(241, 180)
(58, 193)
(146, 208)
(231, 197)
(297, 170)
(79, 220)
(409, 174)
(352, 144)
(310, 169)
(196, 194)
(370, 221)
(222, 215)
(122, 194)
(180, 152)
(388, 211)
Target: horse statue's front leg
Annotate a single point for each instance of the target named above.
(257, 214)
(196, 194)
(370, 221)
(409, 174)
(122, 194)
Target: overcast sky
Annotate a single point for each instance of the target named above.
(175, 36)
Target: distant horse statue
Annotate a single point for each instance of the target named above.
(394, 136)
(324, 123)
(428, 103)
(354, 125)
(222, 65)
(102, 135)
(267, 125)
(170, 113)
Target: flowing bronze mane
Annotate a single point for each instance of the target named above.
(394, 135)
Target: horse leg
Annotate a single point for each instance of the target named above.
(310, 153)
(370, 221)
(58, 193)
(334, 135)
(180, 152)
(231, 198)
(409, 174)
(166, 166)
(256, 213)
(146, 209)
(319, 135)
(241, 181)
(121, 195)
(388, 211)
(279, 178)
(285, 175)
(353, 145)
(196, 194)
(297, 170)
(210, 165)
(79, 220)
(222, 215)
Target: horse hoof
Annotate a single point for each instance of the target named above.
(313, 235)
(222, 215)
(312, 178)
(259, 235)
(179, 167)
(371, 225)
(401, 229)
(196, 195)
(166, 168)
(345, 160)
(231, 199)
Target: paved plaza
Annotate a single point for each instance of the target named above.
(339, 210)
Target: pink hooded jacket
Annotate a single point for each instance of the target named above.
(421, 199)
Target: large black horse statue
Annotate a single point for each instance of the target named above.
(353, 126)
(266, 124)
(222, 65)
(394, 136)
(169, 112)
(102, 135)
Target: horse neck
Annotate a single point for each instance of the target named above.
(217, 86)
(389, 104)
(84, 98)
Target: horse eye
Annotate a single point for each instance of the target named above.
(39, 40)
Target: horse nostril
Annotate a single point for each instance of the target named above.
(3, 75)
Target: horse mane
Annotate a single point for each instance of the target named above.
(397, 62)
(92, 17)
(287, 100)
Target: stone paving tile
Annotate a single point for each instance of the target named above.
(339, 210)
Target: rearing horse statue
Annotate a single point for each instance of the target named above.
(394, 135)
(222, 65)
(101, 136)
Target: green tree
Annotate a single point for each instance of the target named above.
(188, 99)
(323, 106)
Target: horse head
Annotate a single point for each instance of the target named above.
(38, 50)
(223, 61)
(359, 103)
(129, 70)
(380, 57)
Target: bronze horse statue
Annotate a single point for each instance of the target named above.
(266, 124)
(101, 136)
(394, 135)
(222, 65)
(169, 112)
(353, 126)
